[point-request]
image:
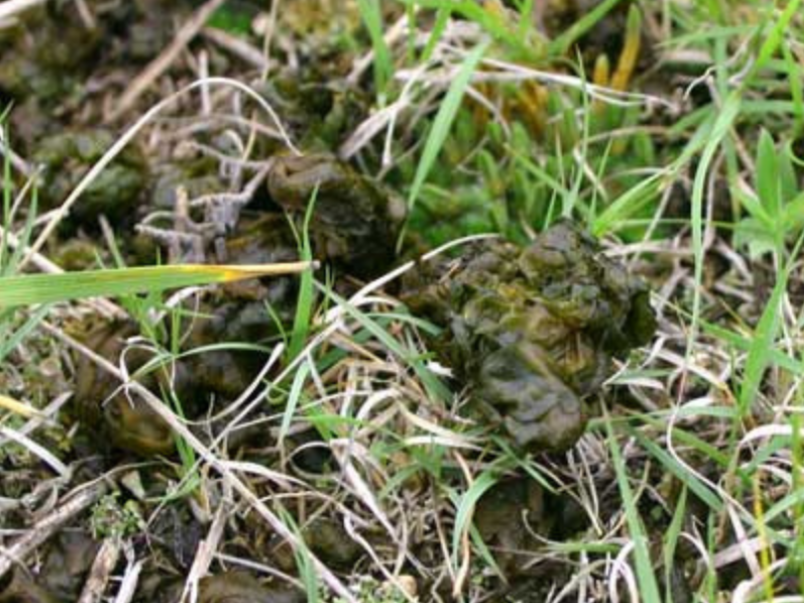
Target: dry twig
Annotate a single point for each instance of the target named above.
(49, 525)
(161, 63)
(237, 46)
(208, 456)
(102, 568)
(64, 209)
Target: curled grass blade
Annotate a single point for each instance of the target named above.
(465, 507)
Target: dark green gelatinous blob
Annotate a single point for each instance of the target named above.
(354, 221)
(46, 54)
(533, 403)
(228, 587)
(126, 421)
(65, 159)
(534, 330)
(238, 312)
(327, 539)
(331, 543)
(240, 587)
(507, 517)
(67, 563)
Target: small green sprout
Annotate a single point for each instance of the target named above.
(110, 519)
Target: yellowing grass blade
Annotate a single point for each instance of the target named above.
(48, 288)
(29, 412)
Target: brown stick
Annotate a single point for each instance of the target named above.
(101, 571)
(48, 526)
(237, 46)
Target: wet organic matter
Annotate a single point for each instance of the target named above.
(410, 415)
(106, 409)
(354, 221)
(534, 330)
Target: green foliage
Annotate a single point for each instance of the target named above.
(306, 299)
(776, 211)
(231, 19)
(48, 288)
(443, 122)
(110, 519)
(370, 590)
(383, 62)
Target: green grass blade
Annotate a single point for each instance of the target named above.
(767, 176)
(49, 288)
(774, 39)
(761, 345)
(489, 20)
(721, 127)
(296, 392)
(561, 44)
(304, 305)
(4, 141)
(304, 562)
(383, 65)
(441, 21)
(777, 357)
(627, 204)
(671, 542)
(443, 121)
(700, 489)
(7, 345)
(465, 508)
(795, 74)
(22, 244)
(648, 587)
(433, 385)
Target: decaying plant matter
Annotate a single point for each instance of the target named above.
(533, 330)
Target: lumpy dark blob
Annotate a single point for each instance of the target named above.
(354, 222)
(105, 411)
(240, 587)
(65, 159)
(533, 330)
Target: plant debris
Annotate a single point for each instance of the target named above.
(535, 415)
(533, 331)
